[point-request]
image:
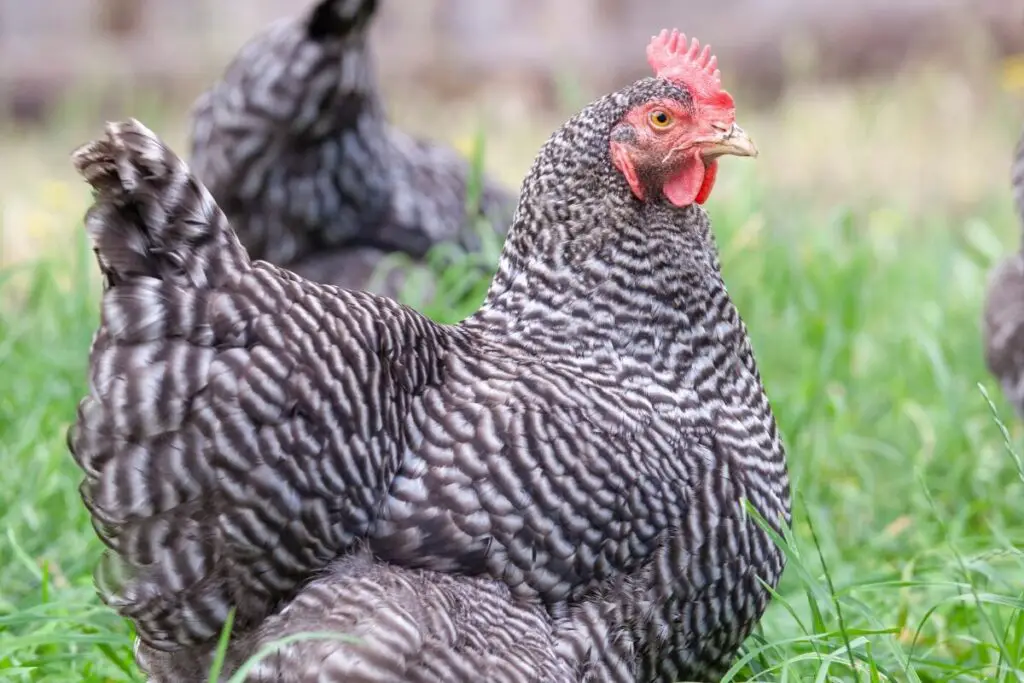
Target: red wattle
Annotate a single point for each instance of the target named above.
(686, 185)
(709, 182)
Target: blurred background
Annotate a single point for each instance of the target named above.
(524, 47)
(906, 99)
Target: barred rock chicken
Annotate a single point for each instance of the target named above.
(294, 145)
(444, 628)
(1004, 307)
(587, 439)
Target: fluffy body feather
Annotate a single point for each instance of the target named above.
(587, 438)
(1003, 324)
(365, 621)
(295, 147)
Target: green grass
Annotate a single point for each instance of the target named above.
(905, 556)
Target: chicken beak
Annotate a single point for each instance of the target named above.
(733, 141)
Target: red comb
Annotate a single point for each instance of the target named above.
(671, 59)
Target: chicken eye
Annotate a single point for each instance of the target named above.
(660, 119)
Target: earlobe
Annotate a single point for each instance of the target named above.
(623, 162)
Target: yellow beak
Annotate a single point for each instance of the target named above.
(733, 141)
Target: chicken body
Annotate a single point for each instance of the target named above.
(364, 621)
(588, 438)
(1003, 324)
(295, 147)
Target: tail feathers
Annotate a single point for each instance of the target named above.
(151, 217)
(340, 18)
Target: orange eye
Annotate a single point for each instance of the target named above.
(660, 118)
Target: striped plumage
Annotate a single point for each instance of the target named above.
(587, 438)
(295, 147)
(370, 622)
(1003, 324)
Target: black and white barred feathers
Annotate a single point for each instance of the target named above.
(1003, 324)
(586, 440)
(370, 622)
(295, 147)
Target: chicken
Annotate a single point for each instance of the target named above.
(294, 145)
(1003, 325)
(588, 438)
(448, 629)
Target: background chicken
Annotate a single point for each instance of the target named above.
(294, 144)
(1004, 306)
(588, 437)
